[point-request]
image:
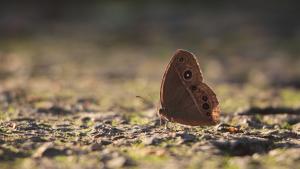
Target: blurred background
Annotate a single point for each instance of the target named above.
(236, 42)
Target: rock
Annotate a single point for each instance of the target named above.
(136, 129)
(188, 137)
(57, 110)
(86, 119)
(153, 151)
(206, 137)
(255, 123)
(96, 147)
(223, 127)
(184, 137)
(105, 142)
(52, 152)
(243, 146)
(151, 140)
(99, 145)
(107, 130)
(48, 150)
(204, 147)
(296, 128)
(10, 154)
(116, 162)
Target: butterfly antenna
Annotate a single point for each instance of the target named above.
(146, 101)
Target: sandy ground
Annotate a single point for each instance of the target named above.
(66, 104)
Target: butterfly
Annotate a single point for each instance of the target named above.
(184, 97)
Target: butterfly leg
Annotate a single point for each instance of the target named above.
(159, 110)
(166, 125)
(160, 120)
(163, 119)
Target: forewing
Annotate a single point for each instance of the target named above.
(181, 92)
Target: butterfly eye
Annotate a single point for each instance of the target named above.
(205, 106)
(204, 98)
(187, 75)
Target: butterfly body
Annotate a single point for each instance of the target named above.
(184, 97)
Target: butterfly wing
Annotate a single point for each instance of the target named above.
(184, 97)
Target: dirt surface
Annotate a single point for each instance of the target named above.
(73, 113)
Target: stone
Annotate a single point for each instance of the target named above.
(116, 162)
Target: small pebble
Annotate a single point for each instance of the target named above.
(116, 162)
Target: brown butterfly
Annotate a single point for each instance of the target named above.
(184, 97)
